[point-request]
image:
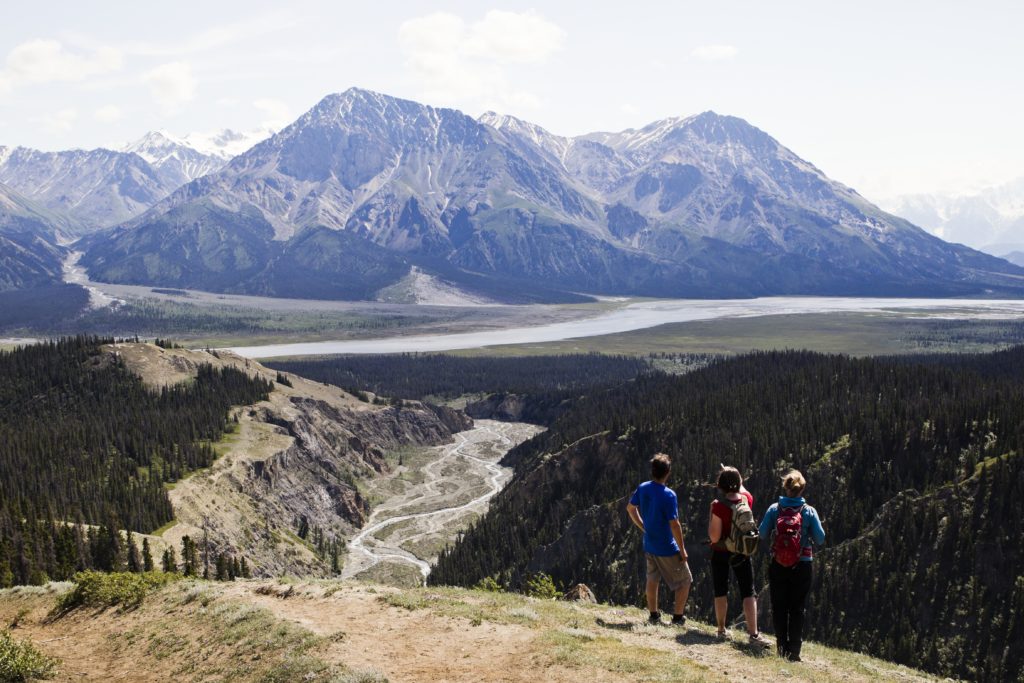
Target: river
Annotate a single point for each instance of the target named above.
(645, 314)
(457, 486)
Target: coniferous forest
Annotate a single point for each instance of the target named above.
(916, 467)
(84, 442)
(422, 376)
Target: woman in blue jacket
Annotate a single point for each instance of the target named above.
(794, 527)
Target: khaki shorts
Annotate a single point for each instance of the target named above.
(671, 568)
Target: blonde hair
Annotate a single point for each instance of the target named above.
(793, 483)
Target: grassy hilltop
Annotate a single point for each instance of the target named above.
(285, 630)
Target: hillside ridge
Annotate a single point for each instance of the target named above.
(352, 631)
(296, 455)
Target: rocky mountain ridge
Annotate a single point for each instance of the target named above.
(88, 190)
(706, 205)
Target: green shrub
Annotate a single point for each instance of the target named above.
(489, 584)
(21, 661)
(541, 586)
(101, 589)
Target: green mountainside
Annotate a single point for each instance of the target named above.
(84, 441)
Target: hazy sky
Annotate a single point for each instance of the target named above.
(888, 97)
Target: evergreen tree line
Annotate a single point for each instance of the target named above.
(422, 376)
(220, 567)
(915, 466)
(327, 548)
(84, 441)
(34, 552)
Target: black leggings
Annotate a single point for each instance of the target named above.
(741, 568)
(789, 587)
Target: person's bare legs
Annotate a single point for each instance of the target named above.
(721, 605)
(652, 594)
(750, 614)
(681, 596)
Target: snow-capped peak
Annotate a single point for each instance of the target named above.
(226, 143)
(159, 145)
(155, 146)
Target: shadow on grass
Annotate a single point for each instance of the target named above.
(692, 637)
(616, 626)
(750, 650)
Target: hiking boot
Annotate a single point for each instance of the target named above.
(654, 619)
(759, 641)
(678, 620)
(793, 658)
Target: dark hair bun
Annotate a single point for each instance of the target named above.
(729, 480)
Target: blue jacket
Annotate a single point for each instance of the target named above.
(811, 530)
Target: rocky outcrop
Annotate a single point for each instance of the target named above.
(580, 593)
(507, 407)
(332, 448)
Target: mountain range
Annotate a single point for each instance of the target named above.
(88, 190)
(991, 219)
(365, 190)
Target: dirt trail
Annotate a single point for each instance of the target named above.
(457, 485)
(511, 640)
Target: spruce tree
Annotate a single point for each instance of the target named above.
(147, 556)
(134, 559)
(169, 563)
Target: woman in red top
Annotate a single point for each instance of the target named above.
(730, 489)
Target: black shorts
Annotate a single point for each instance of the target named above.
(741, 568)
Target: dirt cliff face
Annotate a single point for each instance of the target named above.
(507, 407)
(333, 447)
(300, 454)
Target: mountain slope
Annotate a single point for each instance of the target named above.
(700, 206)
(262, 453)
(297, 454)
(29, 256)
(93, 189)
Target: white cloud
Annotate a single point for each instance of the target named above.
(217, 37)
(278, 114)
(47, 61)
(108, 114)
(714, 53)
(461, 63)
(60, 121)
(513, 38)
(171, 84)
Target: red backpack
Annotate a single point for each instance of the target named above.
(786, 547)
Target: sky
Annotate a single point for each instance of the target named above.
(887, 97)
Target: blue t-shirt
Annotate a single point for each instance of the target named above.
(658, 507)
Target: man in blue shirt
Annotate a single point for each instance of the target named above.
(655, 511)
